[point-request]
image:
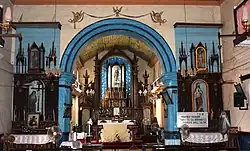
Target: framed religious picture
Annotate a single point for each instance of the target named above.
(36, 58)
(200, 58)
(33, 120)
(200, 96)
(240, 18)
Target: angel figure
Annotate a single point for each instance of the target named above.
(224, 124)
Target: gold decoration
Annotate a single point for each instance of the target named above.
(156, 17)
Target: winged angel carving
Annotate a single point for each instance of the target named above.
(117, 12)
(156, 17)
(77, 17)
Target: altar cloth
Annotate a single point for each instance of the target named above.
(113, 132)
(31, 139)
(204, 138)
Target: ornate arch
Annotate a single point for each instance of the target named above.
(118, 26)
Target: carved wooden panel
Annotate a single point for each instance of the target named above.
(213, 94)
(21, 98)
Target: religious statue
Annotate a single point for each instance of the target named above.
(201, 59)
(32, 102)
(224, 124)
(116, 75)
(198, 98)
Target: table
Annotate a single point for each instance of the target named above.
(32, 139)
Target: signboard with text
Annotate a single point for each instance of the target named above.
(192, 119)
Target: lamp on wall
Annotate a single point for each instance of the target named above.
(6, 24)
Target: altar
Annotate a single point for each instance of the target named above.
(115, 132)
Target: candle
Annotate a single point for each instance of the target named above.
(89, 130)
(24, 118)
(54, 118)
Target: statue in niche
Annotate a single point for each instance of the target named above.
(201, 58)
(116, 75)
(32, 102)
(116, 72)
(198, 98)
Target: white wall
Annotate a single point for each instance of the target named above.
(6, 77)
(172, 13)
(235, 63)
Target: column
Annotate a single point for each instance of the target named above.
(170, 80)
(65, 82)
(97, 84)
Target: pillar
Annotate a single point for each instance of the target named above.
(170, 123)
(65, 82)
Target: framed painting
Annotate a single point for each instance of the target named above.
(33, 120)
(200, 96)
(238, 15)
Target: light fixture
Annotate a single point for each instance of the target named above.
(90, 92)
(6, 24)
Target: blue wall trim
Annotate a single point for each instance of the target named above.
(127, 27)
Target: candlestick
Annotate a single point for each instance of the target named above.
(54, 118)
(24, 116)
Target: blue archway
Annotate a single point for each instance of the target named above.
(118, 26)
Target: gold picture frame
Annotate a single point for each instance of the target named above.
(200, 58)
(33, 120)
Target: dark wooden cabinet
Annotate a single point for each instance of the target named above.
(46, 103)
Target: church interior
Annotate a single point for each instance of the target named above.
(124, 75)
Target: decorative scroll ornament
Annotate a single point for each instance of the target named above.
(79, 16)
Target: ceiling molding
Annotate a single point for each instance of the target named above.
(115, 2)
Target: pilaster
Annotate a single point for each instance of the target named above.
(65, 82)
